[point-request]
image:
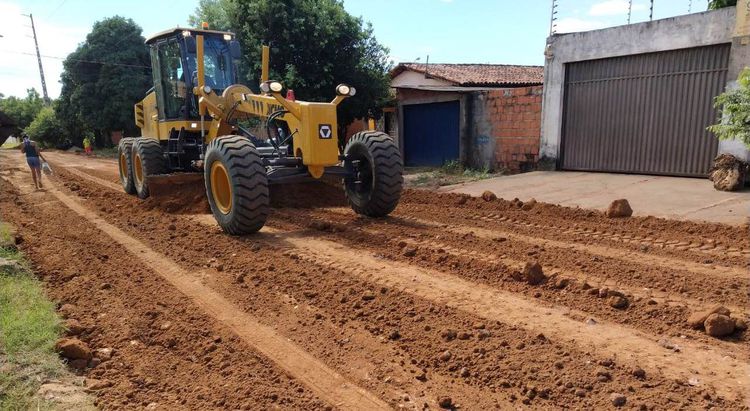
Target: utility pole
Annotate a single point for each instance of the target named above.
(39, 58)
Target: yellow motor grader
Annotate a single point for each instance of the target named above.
(195, 118)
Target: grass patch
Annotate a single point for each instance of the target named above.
(452, 172)
(107, 152)
(29, 328)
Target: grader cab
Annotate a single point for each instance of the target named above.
(193, 123)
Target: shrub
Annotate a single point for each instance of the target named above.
(45, 128)
(734, 120)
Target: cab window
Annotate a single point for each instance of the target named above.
(174, 89)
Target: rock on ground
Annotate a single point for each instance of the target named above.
(489, 196)
(73, 326)
(529, 205)
(719, 325)
(619, 208)
(445, 402)
(697, 319)
(728, 172)
(533, 273)
(73, 349)
(618, 400)
(618, 302)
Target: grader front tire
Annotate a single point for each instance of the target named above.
(375, 161)
(125, 164)
(236, 185)
(147, 160)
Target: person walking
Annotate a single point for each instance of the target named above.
(87, 145)
(33, 156)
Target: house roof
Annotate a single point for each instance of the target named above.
(497, 75)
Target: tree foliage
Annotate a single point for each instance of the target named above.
(214, 12)
(720, 4)
(45, 128)
(734, 122)
(102, 80)
(315, 45)
(22, 110)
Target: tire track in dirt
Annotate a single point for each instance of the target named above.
(647, 241)
(104, 183)
(392, 240)
(498, 305)
(682, 239)
(514, 264)
(424, 232)
(323, 381)
(614, 253)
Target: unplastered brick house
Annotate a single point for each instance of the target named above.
(483, 115)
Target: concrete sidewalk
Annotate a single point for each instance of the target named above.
(670, 197)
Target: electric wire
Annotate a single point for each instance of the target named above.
(79, 60)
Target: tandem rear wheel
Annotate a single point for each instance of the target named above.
(373, 187)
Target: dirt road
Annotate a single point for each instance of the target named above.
(424, 309)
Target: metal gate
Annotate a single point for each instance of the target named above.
(431, 133)
(644, 113)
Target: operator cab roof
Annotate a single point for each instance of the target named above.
(179, 30)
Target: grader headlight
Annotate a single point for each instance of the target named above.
(271, 87)
(343, 90)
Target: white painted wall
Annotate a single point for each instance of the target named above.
(414, 79)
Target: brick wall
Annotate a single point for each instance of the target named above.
(516, 115)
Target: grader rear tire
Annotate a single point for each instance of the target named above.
(236, 185)
(147, 160)
(125, 164)
(375, 160)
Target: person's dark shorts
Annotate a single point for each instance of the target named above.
(33, 162)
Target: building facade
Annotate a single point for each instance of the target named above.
(638, 98)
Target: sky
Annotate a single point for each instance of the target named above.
(448, 31)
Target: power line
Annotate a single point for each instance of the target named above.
(79, 60)
(57, 8)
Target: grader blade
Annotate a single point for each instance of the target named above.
(175, 185)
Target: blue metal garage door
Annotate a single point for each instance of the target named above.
(431, 133)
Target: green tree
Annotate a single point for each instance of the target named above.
(22, 110)
(214, 12)
(719, 4)
(734, 120)
(45, 128)
(102, 80)
(315, 45)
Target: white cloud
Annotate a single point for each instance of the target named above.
(572, 24)
(19, 69)
(614, 8)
